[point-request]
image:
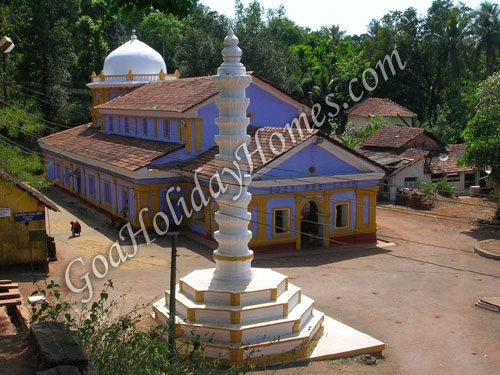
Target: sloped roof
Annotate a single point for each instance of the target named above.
(177, 95)
(206, 160)
(394, 162)
(455, 152)
(117, 150)
(372, 107)
(388, 136)
(34, 193)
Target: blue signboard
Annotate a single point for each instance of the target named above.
(29, 216)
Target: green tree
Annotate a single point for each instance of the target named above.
(482, 134)
(487, 30)
(163, 33)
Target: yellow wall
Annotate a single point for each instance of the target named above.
(14, 237)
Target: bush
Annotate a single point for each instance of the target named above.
(444, 188)
(427, 187)
(113, 341)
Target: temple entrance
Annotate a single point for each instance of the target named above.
(311, 226)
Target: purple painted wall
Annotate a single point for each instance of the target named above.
(268, 109)
(297, 166)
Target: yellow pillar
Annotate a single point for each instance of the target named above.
(298, 218)
(198, 135)
(189, 136)
(326, 220)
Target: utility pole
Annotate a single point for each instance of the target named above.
(171, 303)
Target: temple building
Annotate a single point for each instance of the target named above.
(152, 131)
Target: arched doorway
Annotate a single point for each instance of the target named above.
(311, 225)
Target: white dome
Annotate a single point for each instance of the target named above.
(135, 55)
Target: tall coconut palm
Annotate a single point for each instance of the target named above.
(487, 31)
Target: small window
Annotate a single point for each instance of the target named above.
(386, 186)
(411, 182)
(67, 176)
(166, 129)
(281, 224)
(127, 126)
(111, 124)
(470, 180)
(435, 177)
(181, 126)
(125, 209)
(92, 186)
(107, 194)
(342, 215)
(58, 171)
(312, 169)
(145, 127)
(453, 177)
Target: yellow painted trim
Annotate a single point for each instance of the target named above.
(181, 285)
(199, 296)
(236, 336)
(127, 190)
(235, 299)
(296, 326)
(104, 184)
(235, 317)
(274, 294)
(231, 259)
(285, 310)
(191, 315)
(198, 135)
(189, 136)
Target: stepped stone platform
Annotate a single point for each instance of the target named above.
(263, 321)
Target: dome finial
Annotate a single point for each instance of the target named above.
(133, 37)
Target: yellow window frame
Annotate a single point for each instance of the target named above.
(348, 226)
(289, 232)
(104, 184)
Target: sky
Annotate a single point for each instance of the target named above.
(353, 16)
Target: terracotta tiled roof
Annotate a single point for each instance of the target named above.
(382, 107)
(120, 151)
(388, 136)
(455, 152)
(206, 161)
(36, 194)
(177, 95)
(394, 162)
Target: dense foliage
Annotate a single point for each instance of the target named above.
(118, 342)
(446, 53)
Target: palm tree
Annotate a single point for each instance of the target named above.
(487, 30)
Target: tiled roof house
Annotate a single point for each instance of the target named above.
(153, 136)
(413, 154)
(362, 113)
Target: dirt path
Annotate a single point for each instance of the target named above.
(418, 296)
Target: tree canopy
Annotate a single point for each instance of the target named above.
(446, 53)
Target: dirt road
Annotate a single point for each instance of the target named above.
(418, 299)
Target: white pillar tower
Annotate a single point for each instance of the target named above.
(233, 258)
(244, 315)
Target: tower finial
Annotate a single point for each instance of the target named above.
(231, 54)
(133, 37)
